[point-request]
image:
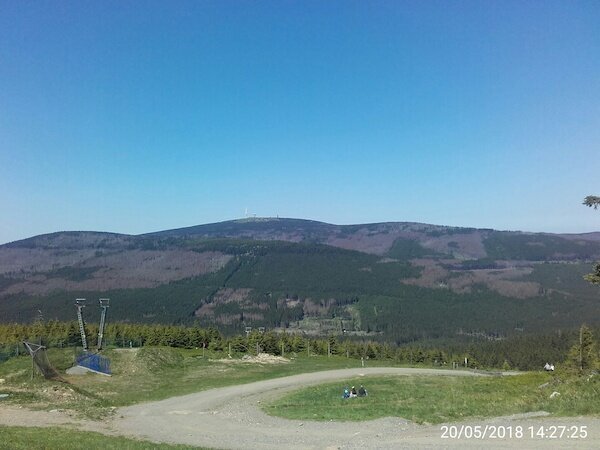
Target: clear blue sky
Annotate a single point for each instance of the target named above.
(140, 116)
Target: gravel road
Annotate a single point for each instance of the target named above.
(230, 418)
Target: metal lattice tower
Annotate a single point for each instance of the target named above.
(104, 305)
(80, 303)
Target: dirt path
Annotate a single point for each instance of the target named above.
(17, 416)
(231, 418)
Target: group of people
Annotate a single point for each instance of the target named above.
(352, 392)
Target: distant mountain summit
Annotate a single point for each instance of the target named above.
(379, 238)
(269, 228)
(374, 238)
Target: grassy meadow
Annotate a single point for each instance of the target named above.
(26, 438)
(427, 399)
(155, 373)
(145, 374)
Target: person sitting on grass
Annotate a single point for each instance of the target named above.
(362, 392)
(549, 367)
(346, 393)
(353, 392)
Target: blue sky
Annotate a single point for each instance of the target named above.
(140, 116)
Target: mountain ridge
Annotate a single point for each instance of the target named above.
(286, 229)
(209, 228)
(310, 276)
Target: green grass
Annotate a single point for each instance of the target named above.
(188, 372)
(25, 438)
(155, 373)
(426, 399)
(146, 374)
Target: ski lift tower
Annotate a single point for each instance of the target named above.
(80, 303)
(104, 305)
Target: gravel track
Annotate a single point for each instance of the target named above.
(231, 418)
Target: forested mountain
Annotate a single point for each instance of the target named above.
(400, 281)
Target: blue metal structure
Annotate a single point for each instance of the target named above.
(95, 362)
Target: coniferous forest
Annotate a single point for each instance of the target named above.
(524, 352)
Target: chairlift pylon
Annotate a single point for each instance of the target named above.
(104, 305)
(80, 304)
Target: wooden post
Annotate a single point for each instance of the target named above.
(282, 349)
(229, 350)
(308, 349)
(328, 349)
